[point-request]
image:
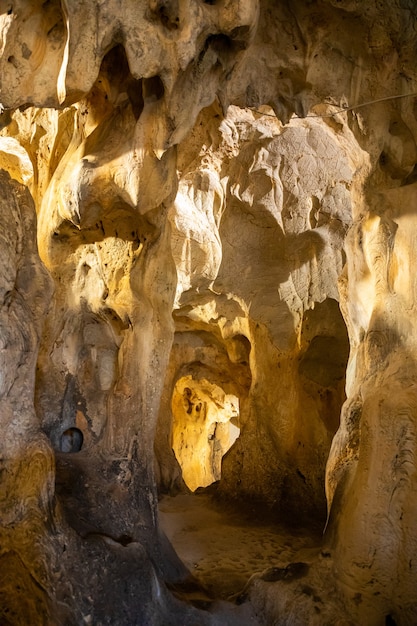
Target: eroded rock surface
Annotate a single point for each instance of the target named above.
(224, 292)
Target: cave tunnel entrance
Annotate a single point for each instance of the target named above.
(224, 543)
(323, 359)
(205, 426)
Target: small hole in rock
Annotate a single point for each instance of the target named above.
(383, 159)
(71, 440)
(152, 89)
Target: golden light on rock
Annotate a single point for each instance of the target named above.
(207, 312)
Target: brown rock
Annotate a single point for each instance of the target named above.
(224, 292)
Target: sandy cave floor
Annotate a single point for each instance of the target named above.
(224, 548)
(220, 544)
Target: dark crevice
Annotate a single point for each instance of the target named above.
(226, 47)
(71, 440)
(166, 12)
(152, 89)
(221, 43)
(115, 75)
(115, 79)
(120, 222)
(411, 178)
(240, 33)
(134, 92)
(124, 540)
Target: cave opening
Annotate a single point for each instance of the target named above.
(290, 349)
(323, 359)
(222, 541)
(71, 440)
(205, 426)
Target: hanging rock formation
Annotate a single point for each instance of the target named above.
(223, 195)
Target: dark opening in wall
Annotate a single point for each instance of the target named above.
(323, 359)
(71, 440)
(166, 12)
(152, 89)
(115, 85)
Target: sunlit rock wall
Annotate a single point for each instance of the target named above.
(27, 466)
(258, 230)
(203, 247)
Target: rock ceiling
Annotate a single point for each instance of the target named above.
(207, 248)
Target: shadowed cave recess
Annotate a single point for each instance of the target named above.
(207, 316)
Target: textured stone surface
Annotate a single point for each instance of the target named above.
(202, 246)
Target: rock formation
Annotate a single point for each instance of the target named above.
(223, 196)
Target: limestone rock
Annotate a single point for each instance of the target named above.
(225, 199)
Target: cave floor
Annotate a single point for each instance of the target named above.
(224, 548)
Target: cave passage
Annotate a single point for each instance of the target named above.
(222, 541)
(205, 426)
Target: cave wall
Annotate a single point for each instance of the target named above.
(214, 204)
(258, 204)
